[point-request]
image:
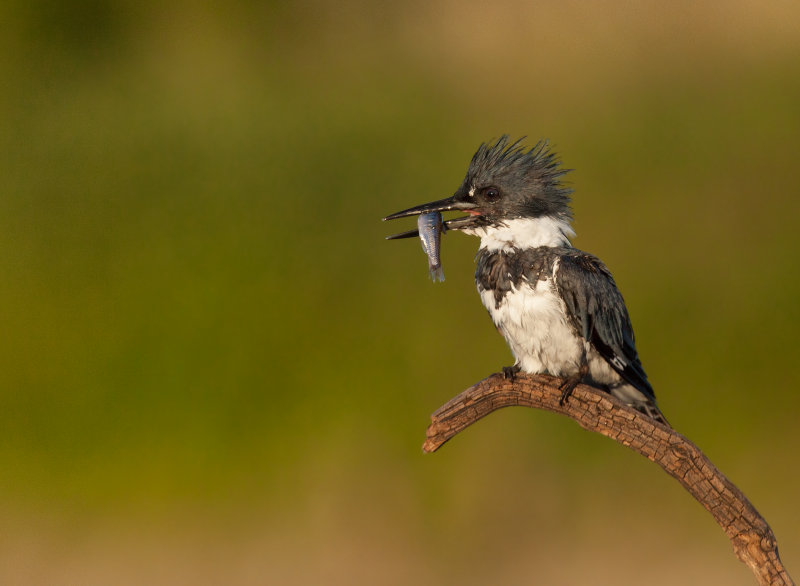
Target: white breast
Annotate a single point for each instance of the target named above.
(533, 321)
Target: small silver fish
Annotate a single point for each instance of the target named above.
(431, 229)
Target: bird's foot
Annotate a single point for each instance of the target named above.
(571, 382)
(567, 387)
(510, 372)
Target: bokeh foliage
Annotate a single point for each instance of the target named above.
(199, 311)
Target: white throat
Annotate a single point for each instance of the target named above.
(525, 233)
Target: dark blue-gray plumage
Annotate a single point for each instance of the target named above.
(558, 308)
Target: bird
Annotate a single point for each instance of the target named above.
(557, 307)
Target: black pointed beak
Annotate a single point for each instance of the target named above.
(443, 205)
(454, 224)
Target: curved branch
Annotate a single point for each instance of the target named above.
(594, 410)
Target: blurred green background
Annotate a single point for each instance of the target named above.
(215, 371)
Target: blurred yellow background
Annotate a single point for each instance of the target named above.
(215, 371)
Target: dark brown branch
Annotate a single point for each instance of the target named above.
(752, 539)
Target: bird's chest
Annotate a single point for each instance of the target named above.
(531, 310)
(531, 316)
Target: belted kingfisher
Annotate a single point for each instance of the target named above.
(557, 307)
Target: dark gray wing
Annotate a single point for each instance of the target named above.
(596, 309)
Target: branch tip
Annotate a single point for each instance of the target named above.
(753, 541)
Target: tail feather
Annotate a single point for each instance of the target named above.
(653, 411)
(633, 397)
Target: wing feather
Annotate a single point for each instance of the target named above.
(597, 311)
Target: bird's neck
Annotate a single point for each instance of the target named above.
(522, 233)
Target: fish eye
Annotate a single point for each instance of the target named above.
(491, 193)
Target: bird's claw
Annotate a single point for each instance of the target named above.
(566, 388)
(571, 382)
(510, 372)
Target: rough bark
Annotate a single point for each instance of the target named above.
(594, 410)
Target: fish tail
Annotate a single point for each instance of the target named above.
(436, 272)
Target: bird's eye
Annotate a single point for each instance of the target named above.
(491, 193)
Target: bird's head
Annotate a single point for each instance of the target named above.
(506, 185)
